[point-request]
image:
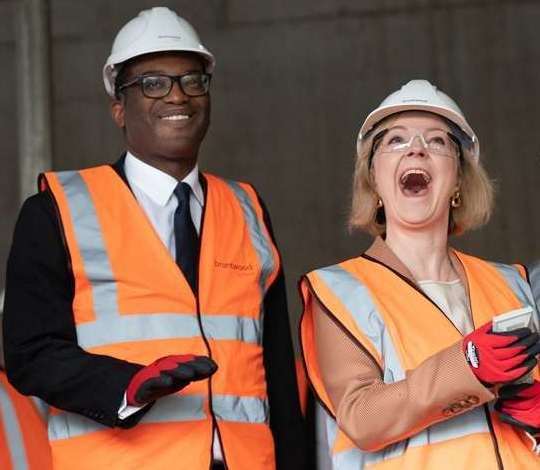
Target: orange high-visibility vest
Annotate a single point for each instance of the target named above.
(303, 385)
(133, 302)
(381, 311)
(23, 432)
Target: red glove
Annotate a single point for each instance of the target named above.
(519, 405)
(498, 358)
(167, 375)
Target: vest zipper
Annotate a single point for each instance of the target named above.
(215, 428)
(500, 465)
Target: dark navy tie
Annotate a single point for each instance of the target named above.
(186, 239)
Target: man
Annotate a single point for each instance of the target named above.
(145, 301)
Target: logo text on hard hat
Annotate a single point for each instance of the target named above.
(169, 37)
(414, 100)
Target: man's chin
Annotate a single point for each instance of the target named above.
(179, 149)
(182, 153)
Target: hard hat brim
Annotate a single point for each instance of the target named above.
(117, 59)
(382, 113)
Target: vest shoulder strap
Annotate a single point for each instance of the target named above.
(348, 301)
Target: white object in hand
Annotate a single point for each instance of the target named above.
(519, 318)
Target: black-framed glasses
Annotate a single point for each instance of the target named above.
(159, 85)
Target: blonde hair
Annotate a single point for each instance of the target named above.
(476, 194)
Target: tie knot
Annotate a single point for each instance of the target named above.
(182, 192)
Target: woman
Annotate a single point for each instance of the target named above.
(398, 342)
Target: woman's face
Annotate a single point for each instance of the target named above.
(415, 181)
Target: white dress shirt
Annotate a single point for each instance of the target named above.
(154, 191)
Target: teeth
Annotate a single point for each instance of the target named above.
(415, 171)
(176, 117)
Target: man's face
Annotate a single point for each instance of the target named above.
(171, 127)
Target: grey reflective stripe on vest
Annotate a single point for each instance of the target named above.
(41, 407)
(124, 328)
(169, 409)
(13, 432)
(240, 409)
(172, 408)
(258, 237)
(534, 277)
(356, 299)
(520, 287)
(471, 422)
(91, 244)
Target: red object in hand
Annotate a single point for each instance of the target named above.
(519, 405)
(499, 358)
(167, 375)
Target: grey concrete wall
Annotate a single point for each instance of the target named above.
(8, 132)
(293, 82)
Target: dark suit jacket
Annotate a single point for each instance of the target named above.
(40, 341)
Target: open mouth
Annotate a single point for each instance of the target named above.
(415, 182)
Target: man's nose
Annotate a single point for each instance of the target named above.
(176, 95)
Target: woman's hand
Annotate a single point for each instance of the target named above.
(519, 405)
(500, 358)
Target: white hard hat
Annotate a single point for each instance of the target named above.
(155, 30)
(420, 95)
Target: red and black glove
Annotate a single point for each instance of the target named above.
(500, 358)
(167, 375)
(519, 405)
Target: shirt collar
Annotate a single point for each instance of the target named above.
(156, 184)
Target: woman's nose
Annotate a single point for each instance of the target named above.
(417, 147)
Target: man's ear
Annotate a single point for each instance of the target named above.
(118, 112)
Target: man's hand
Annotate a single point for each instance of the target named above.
(167, 375)
(500, 358)
(519, 405)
